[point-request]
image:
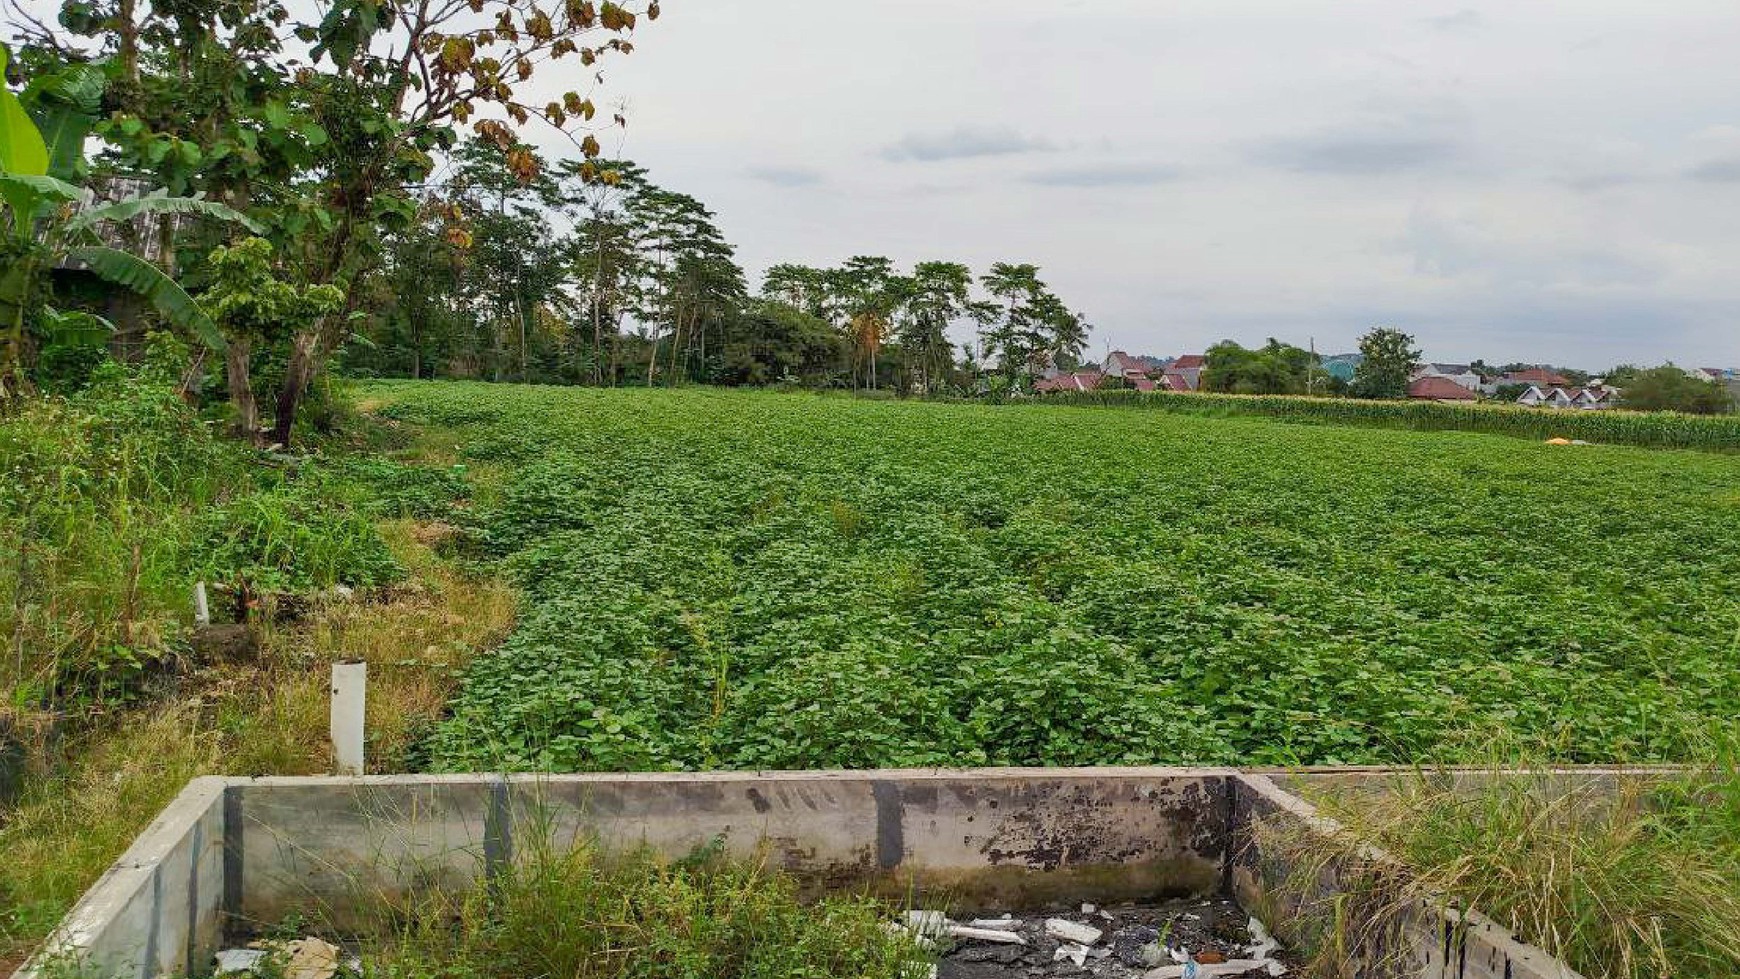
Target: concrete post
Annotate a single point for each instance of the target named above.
(201, 611)
(349, 686)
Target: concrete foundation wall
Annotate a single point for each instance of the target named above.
(993, 838)
(231, 854)
(158, 908)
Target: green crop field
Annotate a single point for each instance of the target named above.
(736, 579)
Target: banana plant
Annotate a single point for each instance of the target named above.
(49, 221)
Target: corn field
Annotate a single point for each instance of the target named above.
(1660, 429)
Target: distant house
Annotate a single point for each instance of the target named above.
(1190, 368)
(1708, 373)
(1082, 380)
(1432, 388)
(1585, 398)
(1121, 364)
(1593, 398)
(1538, 376)
(1143, 383)
(1460, 374)
(1170, 381)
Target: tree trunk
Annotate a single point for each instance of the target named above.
(298, 374)
(236, 372)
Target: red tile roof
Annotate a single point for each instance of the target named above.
(1143, 384)
(1439, 389)
(1189, 361)
(1536, 375)
(1086, 380)
(1175, 382)
(1122, 363)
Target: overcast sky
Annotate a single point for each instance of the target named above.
(1541, 181)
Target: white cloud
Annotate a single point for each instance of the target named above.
(965, 142)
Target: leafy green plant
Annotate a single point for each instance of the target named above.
(47, 224)
(253, 308)
(754, 580)
(291, 541)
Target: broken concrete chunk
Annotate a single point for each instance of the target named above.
(999, 924)
(311, 958)
(895, 928)
(1089, 908)
(985, 935)
(232, 960)
(1070, 931)
(1071, 952)
(930, 924)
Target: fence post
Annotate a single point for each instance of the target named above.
(349, 690)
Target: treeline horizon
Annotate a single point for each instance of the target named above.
(514, 270)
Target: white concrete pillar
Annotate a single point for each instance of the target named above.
(349, 685)
(201, 611)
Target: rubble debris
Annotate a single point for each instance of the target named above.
(1263, 945)
(1138, 946)
(234, 960)
(1071, 952)
(1131, 941)
(929, 924)
(985, 934)
(895, 928)
(1233, 967)
(1070, 931)
(311, 958)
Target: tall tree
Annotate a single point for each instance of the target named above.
(1390, 356)
(938, 294)
(343, 128)
(1274, 368)
(605, 258)
(867, 291)
(1669, 388)
(1029, 328)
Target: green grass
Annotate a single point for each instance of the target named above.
(574, 911)
(114, 501)
(752, 580)
(1629, 880)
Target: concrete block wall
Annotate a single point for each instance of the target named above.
(230, 854)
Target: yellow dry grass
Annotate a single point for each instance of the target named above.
(266, 717)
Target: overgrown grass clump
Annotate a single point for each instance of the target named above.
(1632, 878)
(751, 580)
(584, 914)
(265, 716)
(116, 499)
